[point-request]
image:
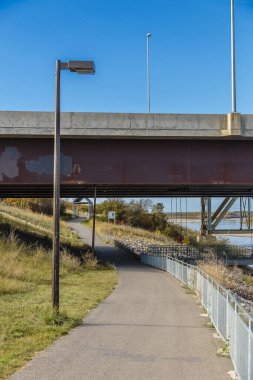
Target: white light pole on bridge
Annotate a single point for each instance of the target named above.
(80, 67)
(233, 73)
(148, 72)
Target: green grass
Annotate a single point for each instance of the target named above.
(27, 324)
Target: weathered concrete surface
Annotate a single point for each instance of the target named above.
(149, 328)
(108, 125)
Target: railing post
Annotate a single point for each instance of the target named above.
(217, 306)
(202, 288)
(235, 358)
(250, 352)
(227, 317)
(211, 296)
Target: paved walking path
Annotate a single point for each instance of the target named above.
(147, 329)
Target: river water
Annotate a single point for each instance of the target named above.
(224, 224)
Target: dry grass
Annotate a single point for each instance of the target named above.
(231, 278)
(127, 232)
(40, 224)
(23, 265)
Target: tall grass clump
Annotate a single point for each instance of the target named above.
(233, 278)
(23, 266)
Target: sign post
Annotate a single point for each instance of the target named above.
(111, 216)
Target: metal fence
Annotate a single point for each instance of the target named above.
(231, 320)
(184, 251)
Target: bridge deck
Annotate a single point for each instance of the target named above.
(126, 125)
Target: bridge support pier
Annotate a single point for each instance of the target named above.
(206, 215)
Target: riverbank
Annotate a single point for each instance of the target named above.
(227, 224)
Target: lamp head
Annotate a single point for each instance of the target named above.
(82, 67)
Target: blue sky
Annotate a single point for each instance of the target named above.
(189, 54)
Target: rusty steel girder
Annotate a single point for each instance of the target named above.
(127, 167)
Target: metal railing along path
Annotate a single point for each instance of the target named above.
(231, 320)
(184, 250)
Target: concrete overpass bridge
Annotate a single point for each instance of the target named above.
(127, 155)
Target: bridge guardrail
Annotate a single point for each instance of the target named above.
(231, 320)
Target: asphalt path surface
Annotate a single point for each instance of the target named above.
(148, 328)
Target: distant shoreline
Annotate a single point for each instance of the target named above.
(198, 218)
(195, 220)
(184, 220)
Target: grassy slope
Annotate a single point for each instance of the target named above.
(26, 321)
(127, 232)
(38, 224)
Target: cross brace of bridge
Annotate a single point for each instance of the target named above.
(210, 221)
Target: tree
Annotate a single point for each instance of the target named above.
(117, 205)
(138, 215)
(158, 207)
(159, 217)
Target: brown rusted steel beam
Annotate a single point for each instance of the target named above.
(127, 167)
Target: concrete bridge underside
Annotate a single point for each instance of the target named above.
(127, 167)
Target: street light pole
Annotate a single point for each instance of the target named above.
(148, 72)
(94, 219)
(81, 67)
(233, 73)
(56, 201)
